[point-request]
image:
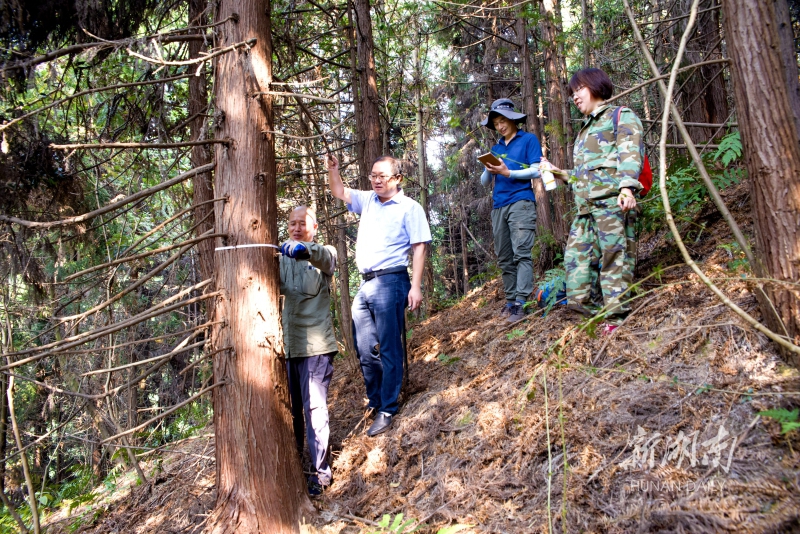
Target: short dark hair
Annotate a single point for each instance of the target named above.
(596, 80)
(396, 167)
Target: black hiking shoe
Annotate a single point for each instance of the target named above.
(506, 311)
(517, 312)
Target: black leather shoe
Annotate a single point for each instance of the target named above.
(383, 422)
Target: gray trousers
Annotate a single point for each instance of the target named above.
(309, 379)
(514, 229)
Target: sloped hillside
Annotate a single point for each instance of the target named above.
(656, 426)
(659, 423)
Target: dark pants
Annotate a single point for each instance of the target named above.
(378, 325)
(309, 379)
(514, 229)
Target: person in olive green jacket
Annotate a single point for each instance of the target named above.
(309, 343)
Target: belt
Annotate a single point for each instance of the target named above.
(391, 270)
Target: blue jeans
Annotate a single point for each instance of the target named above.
(309, 379)
(378, 325)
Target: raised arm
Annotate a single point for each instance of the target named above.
(335, 180)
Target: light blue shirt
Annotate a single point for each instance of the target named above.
(521, 174)
(387, 229)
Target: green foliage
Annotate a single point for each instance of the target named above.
(466, 419)
(514, 334)
(730, 149)
(396, 525)
(556, 279)
(738, 259)
(448, 360)
(387, 525)
(186, 422)
(787, 418)
(687, 193)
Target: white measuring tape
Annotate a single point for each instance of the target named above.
(254, 245)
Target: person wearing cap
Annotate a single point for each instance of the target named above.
(309, 343)
(391, 225)
(513, 203)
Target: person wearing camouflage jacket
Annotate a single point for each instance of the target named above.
(601, 249)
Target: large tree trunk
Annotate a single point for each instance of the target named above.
(772, 152)
(260, 486)
(560, 128)
(369, 128)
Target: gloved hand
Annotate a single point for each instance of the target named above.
(294, 249)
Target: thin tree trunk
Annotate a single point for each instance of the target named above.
(23, 457)
(464, 251)
(3, 430)
(772, 153)
(201, 155)
(788, 57)
(355, 89)
(587, 32)
(422, 164)
(369, 125)
(544, 223)
(260, 486)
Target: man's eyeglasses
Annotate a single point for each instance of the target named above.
(381, 177)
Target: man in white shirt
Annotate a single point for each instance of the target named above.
(391, 225)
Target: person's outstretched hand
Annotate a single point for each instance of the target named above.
(293, 249)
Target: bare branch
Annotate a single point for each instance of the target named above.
(323, 134)
(166, 413)
(297, 95)
(150, 146)
(144, 340)
(74, 49)
(88, 92)
(203, 358)
(167, 356)
(80, 339)
(248, 44)
(698, 161)
(664, 76)
(110, 207)
(126, 259)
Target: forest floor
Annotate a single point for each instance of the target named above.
(657, 425)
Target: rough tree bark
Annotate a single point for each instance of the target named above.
(260, 486)
(544, 222)
(560, 128)
(772, 152)
(587, 32)
(369, 128)
(201, 154)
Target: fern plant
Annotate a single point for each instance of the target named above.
(787, 418)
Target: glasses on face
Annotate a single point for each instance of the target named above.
(380, 177)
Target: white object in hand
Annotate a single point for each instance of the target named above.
(547, 176)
